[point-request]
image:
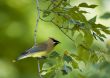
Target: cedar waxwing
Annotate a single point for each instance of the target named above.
(40, 50)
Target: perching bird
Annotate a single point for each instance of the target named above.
(40, 50)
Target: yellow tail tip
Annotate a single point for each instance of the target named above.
(13, 61)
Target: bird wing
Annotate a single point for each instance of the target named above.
(39, 48)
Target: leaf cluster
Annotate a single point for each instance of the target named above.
(56, 63)
(72, 22)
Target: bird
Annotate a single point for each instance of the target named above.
(39, 51)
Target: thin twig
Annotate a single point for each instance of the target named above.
(63, 31)
(49, 6)
(37, 21)
(46, 20)
(61, 27)
(35, 33)
(39, 68)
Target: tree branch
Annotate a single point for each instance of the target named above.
(63, 31)
(61, 27)
(37, 21)
(39, 68)
(35, 33)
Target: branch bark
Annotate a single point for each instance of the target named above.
(39, 68)
(37, 21)
(35, 33)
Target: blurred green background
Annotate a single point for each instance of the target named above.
(17, 23)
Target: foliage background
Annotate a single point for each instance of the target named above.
(17, 22)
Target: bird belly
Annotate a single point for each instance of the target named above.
(39, 54)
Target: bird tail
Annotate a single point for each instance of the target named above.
(21, 57)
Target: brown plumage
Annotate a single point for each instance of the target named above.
(40, 50)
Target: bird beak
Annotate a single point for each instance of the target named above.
(58, 42)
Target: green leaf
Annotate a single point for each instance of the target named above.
(46, 13)
(105, 15)
(101, 26)
(51, 75)
(82, 17)
(76, 57)
(75, 64)
(75, 14)
(81, 11)
(66, 69)
(95, 36)
(97, 31)
(65, 3)
(67, 58)
(101, 38)
(46, 66)
(93, 6)
(86, 5)
(106, 31)
(93, 19)
(48, 73)
(75, 8)
(102, 35)
(72, 21)
(94, 58)
(83, 53)
(54, 54)
(88, 38)
(79, 39)
(43, 73)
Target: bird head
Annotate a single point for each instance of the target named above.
(55, 41)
